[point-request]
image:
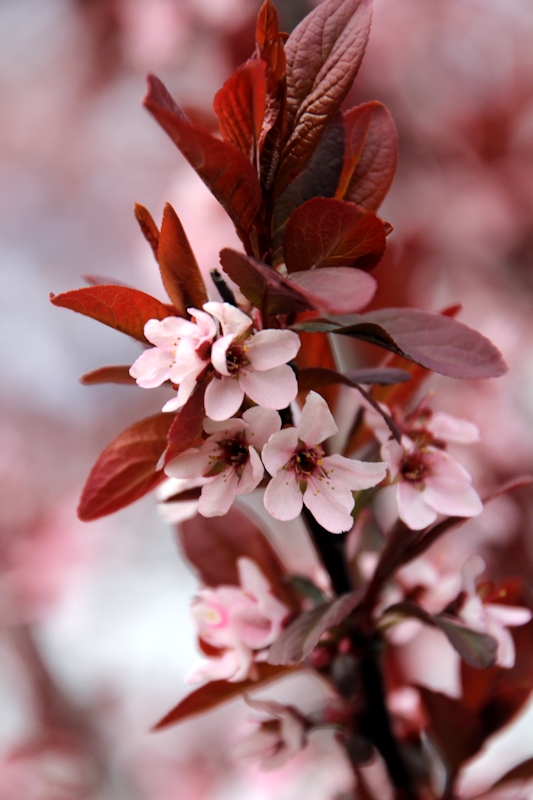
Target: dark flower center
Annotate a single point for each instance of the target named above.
(232, 453)
(306, 461)
(236, 358)
(414, 467)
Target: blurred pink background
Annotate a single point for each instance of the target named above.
(95, 632)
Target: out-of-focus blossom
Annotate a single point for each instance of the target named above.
(429, 482)
(276, 739)
(303, 474)
(238, 621)
(228, 459)
(253, 365)
(490, 618)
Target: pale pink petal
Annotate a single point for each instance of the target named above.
(186, 388)
(263, 422)
(330, 507)
(412, 508)
(471, 570)
(275, 388)
(452, 429)
(510, 616)
(473, 613)
(254, 583)
(339, 290)
(186, 361)
(393, 453)
(226, 428)
(217, 496)
(207, 328)
(216, 669)
(453, 498)
(164, 333)
(223, 398)
(256, 746)
(252, 474)
(316, 422)
(506, 655)
(218, 354)
(192, 463)
(152, 368)
(444, 467)
(292, 732)
(232, 320)
(172, 405)
(279, 449)
(283, 499)
(355, 474)
(271, 348)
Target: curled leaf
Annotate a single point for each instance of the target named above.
(119, 374)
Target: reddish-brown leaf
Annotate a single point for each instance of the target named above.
(148, 227)
(180, 272)
(119, 374)
(323, 56)
(326, 232)
(213, 545)
(127, 468)
(523, 771)
(216, 693)
(269, 42)
(370, 155)
(224, 169)
(126, 310)
(240, 107)
(188, 422)
(320, 376)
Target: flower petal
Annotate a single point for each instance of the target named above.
(152, 368)
(232, 320)
(453, 498)
(252, 474)
(412, 508)
(316, 422)
(165, 333)
(217, 496)
(330, 506)
(271, 348)
(223, 398)
(392, 452)
(283, 499)
(226, 428)
(452, 429)
(192, 463)
(218, 354)
(355, 474)
(275, 388)
(279, 449)
(262, 422)
(510, 616)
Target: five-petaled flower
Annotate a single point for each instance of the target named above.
(228, 459)
(303, 474)
(429, 482)
(238, 621)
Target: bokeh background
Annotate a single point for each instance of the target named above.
(95, 635)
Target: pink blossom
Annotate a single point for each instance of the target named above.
(182, 350)
(429, 482)
(303, 474)
(228, 459)
(239, 621)
(254, 365)
(275, 740)
(490, 618)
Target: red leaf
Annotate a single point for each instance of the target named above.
(188, 422)
(336, 288)
(323, 56)
(240, 107)
(225, 171)
(326, 232)
(119, 374)
(148, 227)
(432, 340)
(215, 693)
(301, 637)
(180, 273)
(127, 468)
(269, 42)
(214, 544)
(126, 310)
(370, 155)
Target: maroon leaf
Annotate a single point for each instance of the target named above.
(188, 422)
(301, 637)
(337, 287)
(323, 56)
(148, 227)
(269, 42)
(370, 155)
(313, 377)
(180, 273)
(213, 545)
(521, 772)
(127, 468)
(432, 340)
(126, 310)
(326, 232)
(240, 107)
(226, 171)
(119, 374)
(216, 693)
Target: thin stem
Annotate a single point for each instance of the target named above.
(330, 547)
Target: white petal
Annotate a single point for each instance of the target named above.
(316, 422)
(271, 348)
(228, 427)
(510, 616)
(330, 507)
(219, 352)
(279, 449)
(232, 320)
(206, 325)
(452, 429)
(412, 508)
(283, 499)
(252, 474)
(192, 463)
(152, 368)
(223, 398)
(224, 668)
(164, 333)
(217, 496)
(355, 474)
(292, 732)
(172, 405)
(186, 388)
(262, 422)
(506, 655)
(275, 388)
